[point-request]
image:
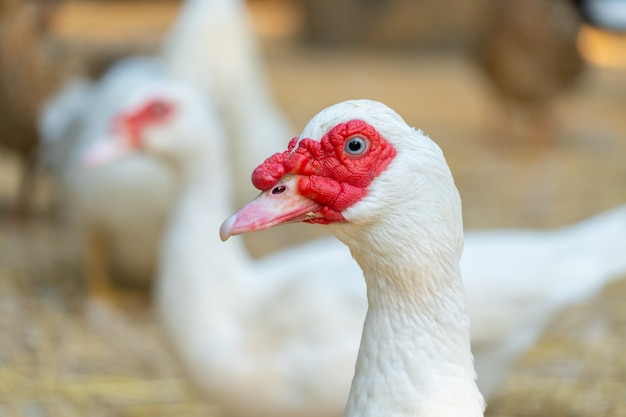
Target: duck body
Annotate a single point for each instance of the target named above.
(130, 229)
(528, 53)
(137, 192)
(528, 49)
(516, 280)
(119, 209)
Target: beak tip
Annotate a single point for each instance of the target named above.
(226, 228)
(102, 152)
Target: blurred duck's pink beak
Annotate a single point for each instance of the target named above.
(280, 204)
(104, 151)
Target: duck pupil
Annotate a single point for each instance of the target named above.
(354, 145)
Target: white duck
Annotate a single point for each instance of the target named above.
(189, 303)
(218, 38)
(385, 190)
(516, 280)
(241, 326)
(119, 210)
(138, 192)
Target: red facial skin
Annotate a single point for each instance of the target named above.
(330, 175)
(153, 112)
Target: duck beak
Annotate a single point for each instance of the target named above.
(280, 204)
(104, 151)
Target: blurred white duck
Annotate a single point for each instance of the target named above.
(211, 295)
(385, 190)
(516, 280)
(241, 326)
(119, 210)
(137, 193)
(218, 38)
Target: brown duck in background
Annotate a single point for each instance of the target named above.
(528, 53)
(29, 72)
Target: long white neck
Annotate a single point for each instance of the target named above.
(213, 46)
(200, 293)
(415, 357)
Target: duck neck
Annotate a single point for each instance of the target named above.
(415, 357)
(200, 293)
(212, 44)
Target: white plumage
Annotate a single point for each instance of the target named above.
(406, 234)
(296, 315)
(121, 208)
(515, 279)
(213, 45)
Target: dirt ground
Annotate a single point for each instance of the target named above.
(63, 356)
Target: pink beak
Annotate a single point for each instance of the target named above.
(104, 151)
(280, 204)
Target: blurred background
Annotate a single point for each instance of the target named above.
(526, 98)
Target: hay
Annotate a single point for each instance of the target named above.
(578, 367)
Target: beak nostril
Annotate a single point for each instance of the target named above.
(279, 189)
